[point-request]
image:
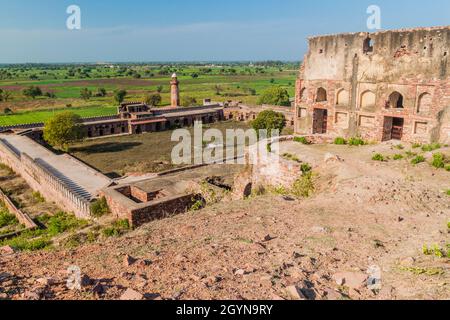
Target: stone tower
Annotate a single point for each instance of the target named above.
(174, 91)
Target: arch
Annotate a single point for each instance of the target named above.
(424, 103)
(396, 100)
(368, 99)
(368, 45)
(303, 94)
(321, 95)
(342, 97)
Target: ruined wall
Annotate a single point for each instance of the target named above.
(43, 181)
(359, 73)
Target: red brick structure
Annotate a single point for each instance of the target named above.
(241, 112)
(380, 86)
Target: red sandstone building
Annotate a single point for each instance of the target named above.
(379, 86)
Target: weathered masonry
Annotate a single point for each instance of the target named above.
(380, 86)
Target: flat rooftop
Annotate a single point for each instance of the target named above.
(66, 167)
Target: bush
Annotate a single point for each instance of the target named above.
(356, 142)
(302, 140)
(398, 157)
(99, 208)
(448, 193)
(378, 157)
(303, 187)
(431, 147)
(117, 229)
(418, 159)
(340, 141)
(24, 243)
(306, 167)
(7, 219)
(61, 222)
(38, 197)
(416, 145)
(438, 161)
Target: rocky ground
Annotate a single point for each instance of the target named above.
(366, 220)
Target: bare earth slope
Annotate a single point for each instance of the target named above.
(363, 214)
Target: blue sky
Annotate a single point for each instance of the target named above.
(192, 30)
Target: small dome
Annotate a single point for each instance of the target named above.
(174, 75)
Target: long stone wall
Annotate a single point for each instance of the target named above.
(39, 178)
(21, 216)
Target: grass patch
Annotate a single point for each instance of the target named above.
(61, 222)
(99, 208)
(303, 187)
(355, 142)
(398, 157)
(7, 219)
(301, 140)
(418, 159)
(425, 271)
(431, 147)
(378, 157)
(416, 145)
(291, 157)
(439, 161)
(340, 141)
(448, 193)
(118, 228)
(38, 197)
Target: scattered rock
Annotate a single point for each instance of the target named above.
(319, 229)
(331, 294)
(268, 238)
(355, 280)
(407, 262)
(46, 281)
(295, 293)
(3, 296)
(6, 250)
(131, 294)
(239, 272)
(128, 261)
(331, 158)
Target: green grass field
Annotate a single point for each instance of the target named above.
(237, 82)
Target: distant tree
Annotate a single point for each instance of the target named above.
(63, 129)
(119, 95)
(275, 96)
(159, 89)
(252, 91)
(272, 80)
(194, 75)
(50, 95)
(85, 94)
(218, 89)
(137, 75)
(153, 99)
(32, 92)
(269, 120)
(188, 101)
(101, 92)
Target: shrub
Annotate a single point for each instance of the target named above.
(302, 140)
(61, 222)
(410, 154)
(303, 187)
(448, 193)
(431, 147)
(356, 142)
(99, 208)
(340, 141)
(306, 167)
(438, 161)
(399, 147)
(275, 96)
(447, 167)
(117, 229)
(38, 197)
(378, 157)
(416, 145)
(24, 243)
(7, 219)
(418, 159)
(398, 157)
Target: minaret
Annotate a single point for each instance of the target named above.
(174, 92)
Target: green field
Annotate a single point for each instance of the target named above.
(232, 81)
